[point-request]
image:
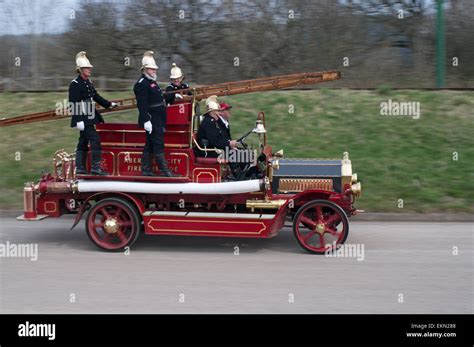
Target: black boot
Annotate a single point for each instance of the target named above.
(81, 157)
(163, 165)
(147, 168)
(95, 164)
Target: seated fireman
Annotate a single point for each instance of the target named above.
(224, 122)
(224, 118)
(177, 83)
(212, 133)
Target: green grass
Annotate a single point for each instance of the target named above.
(396, 157)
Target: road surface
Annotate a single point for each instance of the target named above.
(407, 267)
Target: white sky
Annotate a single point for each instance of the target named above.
(18, 17)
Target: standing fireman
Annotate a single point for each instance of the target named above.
(152, 117)
(177, 83)
(82, 97)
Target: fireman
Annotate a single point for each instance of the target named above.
(152, 117)
(177, 78)
(224, 118)
(224, 124)
(82, 98)
(212, 130)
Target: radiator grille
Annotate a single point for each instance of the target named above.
(293, 185)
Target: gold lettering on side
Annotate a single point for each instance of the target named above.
(130, 163)
(134, 168)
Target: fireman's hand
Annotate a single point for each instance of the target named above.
(233, 144)
(178, 96)
(113, 104)
(148, 127)
(80, 126)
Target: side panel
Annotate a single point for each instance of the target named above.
(208, 224)
(51, 205)
(128, 163)
(123, 143)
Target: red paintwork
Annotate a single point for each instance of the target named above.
(119, 238)
(332, 221)
(122, 145)
(195, 226)
(51, 205)
(122, 149)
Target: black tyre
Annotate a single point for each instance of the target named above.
(320, 226)
(113, 224)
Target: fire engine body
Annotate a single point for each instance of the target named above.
(316, 194)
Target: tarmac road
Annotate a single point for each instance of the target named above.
(408, 258)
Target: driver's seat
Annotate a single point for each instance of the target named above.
(206, 160)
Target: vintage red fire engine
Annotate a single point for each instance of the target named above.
(317, 195)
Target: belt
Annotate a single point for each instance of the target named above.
(157, 105)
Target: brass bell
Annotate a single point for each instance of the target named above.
(259, 127)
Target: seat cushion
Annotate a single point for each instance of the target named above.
(204, 160)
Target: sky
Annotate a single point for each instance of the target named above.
(19, 17)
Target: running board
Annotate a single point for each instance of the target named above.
(210, 224)
(209, 214)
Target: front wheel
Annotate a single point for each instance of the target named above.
(113, 224)
(320, 226)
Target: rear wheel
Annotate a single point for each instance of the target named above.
(320, 226)
(113, 224)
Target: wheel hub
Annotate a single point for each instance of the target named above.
(320, 228)
(111, 225)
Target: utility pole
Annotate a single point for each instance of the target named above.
(440, 45)
(34, 44)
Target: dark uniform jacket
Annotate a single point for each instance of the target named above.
(216, 134)
(150, 102)
(224, 128)
(82, 94)
(171, 88)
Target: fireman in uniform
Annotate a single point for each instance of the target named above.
(82, 96)
(213, 130)
(224, 118)
(177, 78)
(224, 124)
(152, 116)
